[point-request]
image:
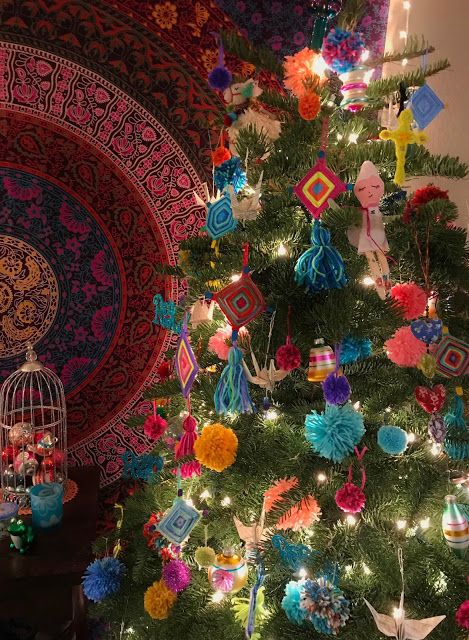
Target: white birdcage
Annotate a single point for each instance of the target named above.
(33, 436)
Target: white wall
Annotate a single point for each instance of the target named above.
(445, 26)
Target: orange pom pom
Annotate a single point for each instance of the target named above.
(220, 155)
(309, 105)
(216, 447)
(300, 72)
(301, 515)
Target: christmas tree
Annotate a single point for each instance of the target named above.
(311, 477)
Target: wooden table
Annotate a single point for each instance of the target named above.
(43, 587)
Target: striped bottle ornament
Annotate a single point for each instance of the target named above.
(455, 527)
(321, 361)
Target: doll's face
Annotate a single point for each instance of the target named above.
(369, 191)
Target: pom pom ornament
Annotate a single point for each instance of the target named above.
(410, 299)
(229, 573)
(309, 105)
(455, 527)
(353, 349)
(158, 600)
(176, 575)
(220, 77)
(321, 361)
(291, 602)
(231, 173)
(342, 49)
(103, 578)
(402, 137)
(334, 433)
(301, 72)
(421, 197)
(462, 615)
(321, 267)
(404, 349)
(155, 425)
(336, 389)
(351, 498)
(392, 440)
(205, 557)
(325, 604)
(218, 343)
(288, 357)
(301, 516)
(216, 447)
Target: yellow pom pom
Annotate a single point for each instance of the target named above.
(216, 447)
(158, 600)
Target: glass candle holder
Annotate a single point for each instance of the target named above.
(8, 510)
(47, 505)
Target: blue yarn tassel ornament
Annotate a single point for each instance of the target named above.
(321, 267)
(232, 392)
(457, 439)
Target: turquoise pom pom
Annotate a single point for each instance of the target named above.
(392, 440)
(321, 267)
(291, 603)
(457, 439)
(353, 349)
(335, 433)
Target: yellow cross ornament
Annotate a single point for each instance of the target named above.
(402, 137)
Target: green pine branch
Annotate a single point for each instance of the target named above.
(384, 87)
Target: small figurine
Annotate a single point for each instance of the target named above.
(21, 535)
(370, 239)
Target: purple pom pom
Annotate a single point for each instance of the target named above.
(336, 389)
(219, 78)
(177, 575)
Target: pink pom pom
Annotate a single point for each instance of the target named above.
(177, 575)
(462, 615)
(410, 298)
(222, 580)
(350, 498)
(288, 356)
(154, 427)
(219, 344)
(404, 349)
(191, 469)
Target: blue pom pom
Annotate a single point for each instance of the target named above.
(334, 433)
(230, 172)
(220, 78)
(321, 267)
(342, 50)
(326, 606)
(291, 603)
(353, 349)
(392, 440)
(336, 389)
(103, 578)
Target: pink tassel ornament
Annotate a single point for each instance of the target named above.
(185, 446)
(288, 357)
(188, 470)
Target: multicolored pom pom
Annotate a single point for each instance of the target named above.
(342, 50)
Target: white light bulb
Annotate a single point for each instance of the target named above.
(205, 494)
(235, 277)
(398, 613)
(406, 5)
(282, 250)
(130, 630)
(356, 405)
(348, 568)
(226, 501)
(368, 75)
(403, 34)
(436, 449)
(319, 66)
(302, 573)
(351, 520)
(411, 437)
(271, 414)
(218, 596)
(339, 136)
(366, 569)
(353, 138)
(368, 281)
(321, 477)
(425, 523)
(401, 524)
(388, 409)
(189, 502)
(405, 62)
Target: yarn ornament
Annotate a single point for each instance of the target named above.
(301, 72)
(176, 575)
(334, 433)
(421, 197)
(353, 349)
(185, 446)
(188, 470)
(326, 606)
(230, 172)
(288, 357)
(457, 438)
(205, 557)
(462, 615)
(158, 600)
(274, 494)
(216, 447)
(220, 77)
(342, 49)
(260, 120)
(392, 440)
(309, 105)
(301, 516)
(404, 349)
(154, 426)
(222, 580)
(221, 153)
(336, 388)
(291, 602)
(232, 392)
(103, 578)
(410, 299)
(351, 498)
(218, 343)
(321, 267)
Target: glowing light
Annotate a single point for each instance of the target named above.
(271, 414)
(405, 62)
(351, 520)
(348, 568)
(321, 477)
(339, 136)
(368, 75)
(398, 613)
(366, 569)
(226, 501)
(319, 66)
(436, 449)
(401, 524)
(411, 437)
(302, 573)
(218, 597)
(425, 523)
(403, 35)
(368, 281)
(357, 405)
(190, 502)
(235, 277)
(282, 250)
(441, 584)
(406, 5)
(130, 630)
(365, 55)
(205, 494)
(353, 138)
(388, 409)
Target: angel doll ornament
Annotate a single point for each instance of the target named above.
(370, 238)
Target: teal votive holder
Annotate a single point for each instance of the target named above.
(47, 505)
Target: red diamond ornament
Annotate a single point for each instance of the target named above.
(240, 301)
(318, 185)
